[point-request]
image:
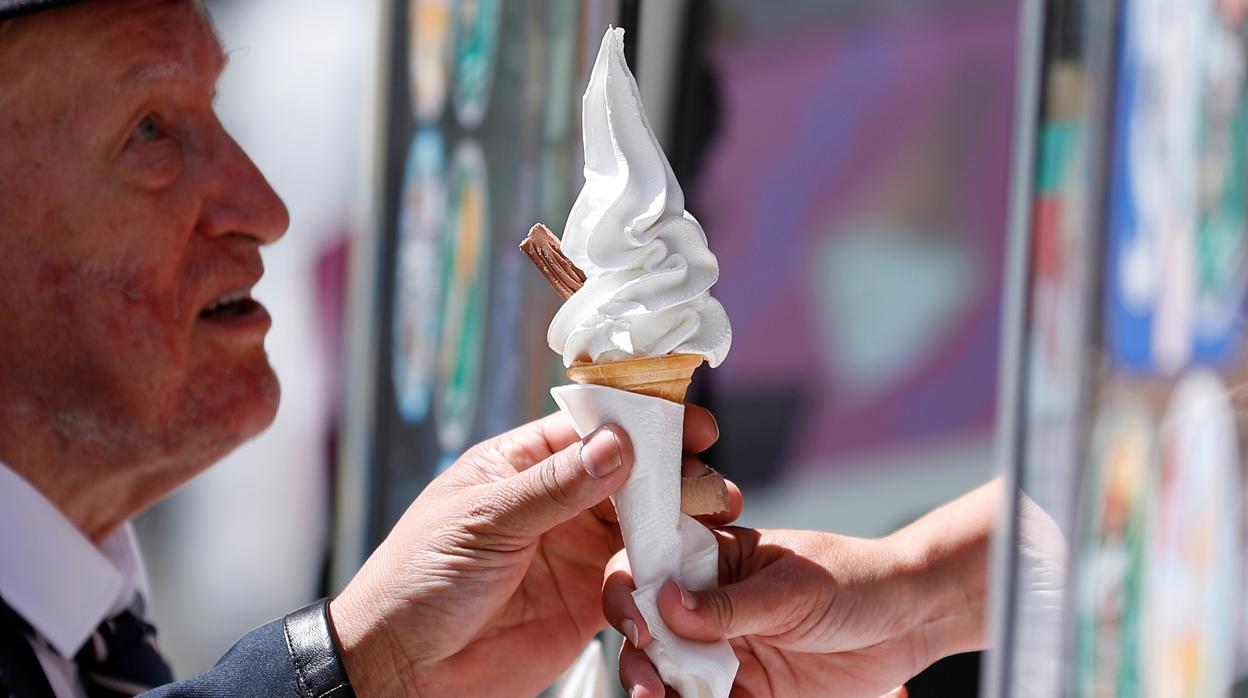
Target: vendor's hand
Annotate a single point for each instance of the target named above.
(490, 583)
(807, 614)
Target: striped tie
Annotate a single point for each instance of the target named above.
(120, 658)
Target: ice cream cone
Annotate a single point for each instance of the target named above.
(665, 377)
(636, 272)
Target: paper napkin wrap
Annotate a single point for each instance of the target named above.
(661, 542)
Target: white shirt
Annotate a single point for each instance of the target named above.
(58, 580)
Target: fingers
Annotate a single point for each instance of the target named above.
(701, 431)
(533, 442)
(563, 485)
(605, 511)
(755, 606)
(618, 606)
(899, 692)
(638, 676)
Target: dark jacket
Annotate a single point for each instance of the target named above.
(292, 657)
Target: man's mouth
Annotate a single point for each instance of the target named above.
(231, 305)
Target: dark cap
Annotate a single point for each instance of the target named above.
(13, 8)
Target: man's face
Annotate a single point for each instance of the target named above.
(130, 235)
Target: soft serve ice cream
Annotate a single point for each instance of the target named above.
(647, 265)
(637, 321)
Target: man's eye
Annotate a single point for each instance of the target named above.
(147, 130)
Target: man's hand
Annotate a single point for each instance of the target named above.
(812, 613)
(490, 583)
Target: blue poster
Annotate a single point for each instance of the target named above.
(1176, 271)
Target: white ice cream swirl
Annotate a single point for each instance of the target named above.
(646, 258)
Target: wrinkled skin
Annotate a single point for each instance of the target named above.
(490, 583)
(127, 214)
(125, 211)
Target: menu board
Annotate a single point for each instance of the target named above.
(482, 139)
(1128, 548)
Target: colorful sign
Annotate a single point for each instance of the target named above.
(1176, 254)
(1112, 537)
(1192, 586)
(476, 50)
(429, 57)
(465, 278)
(418, 274)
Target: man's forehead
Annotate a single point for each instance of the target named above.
(137, 42)
(100, 52)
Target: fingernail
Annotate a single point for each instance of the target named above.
(630, 632)
(687, 599)
(634, 692)
(600, 453)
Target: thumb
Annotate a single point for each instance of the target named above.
(750, 607)
(565, 484)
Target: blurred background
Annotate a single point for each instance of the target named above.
(848, 159)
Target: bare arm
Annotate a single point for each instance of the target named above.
(946, 555)
(817, 613)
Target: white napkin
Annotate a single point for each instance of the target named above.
(587, 677)
(661, 542)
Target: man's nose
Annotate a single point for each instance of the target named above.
(242, 203)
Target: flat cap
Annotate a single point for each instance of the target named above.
(13, 8)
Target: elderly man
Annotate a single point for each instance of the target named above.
(132, 357)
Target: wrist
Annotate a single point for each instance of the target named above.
(943, 561)
(315, 654)
(946, 616)
(372, 658)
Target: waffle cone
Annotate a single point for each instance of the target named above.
(664, 377)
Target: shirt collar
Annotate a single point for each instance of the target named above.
(55, 577)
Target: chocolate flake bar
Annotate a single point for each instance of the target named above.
(542, 247)
(703, 494)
